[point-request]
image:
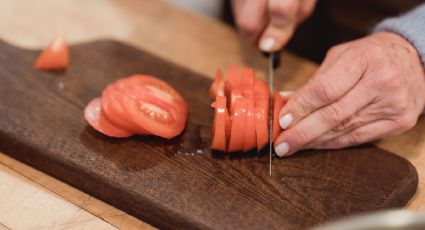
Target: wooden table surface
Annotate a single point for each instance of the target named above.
(30, 199)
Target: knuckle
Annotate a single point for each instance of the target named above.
(336, 49)
(333, 114)
(283, 8)
(389, 80)
(299, 137)
(247, 26)
(323, 91)
(356, 138)
(406, 122)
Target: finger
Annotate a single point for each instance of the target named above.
(306, 9)
(370, 132)
(250, 17)
(323, 90)
(286, 94)
(344, 128)
(283, 19)
(320, 122)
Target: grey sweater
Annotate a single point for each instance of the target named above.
(411, 26)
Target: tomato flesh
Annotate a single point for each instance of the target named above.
(220, 130)
(238, 120)
(97, 119)
(160, 110)
(217, 88)
(261, 102)
(55, 56)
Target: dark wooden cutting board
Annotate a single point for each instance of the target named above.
(179, 183)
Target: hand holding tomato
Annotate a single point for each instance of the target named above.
(364, 90)
(271, 21)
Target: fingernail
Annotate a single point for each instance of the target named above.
(286, 93)
(286, 120)
(267, 44)
(282, 149)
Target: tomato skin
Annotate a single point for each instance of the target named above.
(97, 119)
(55, 56)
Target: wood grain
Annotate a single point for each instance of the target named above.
(179, 183)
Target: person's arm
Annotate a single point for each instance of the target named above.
(410, 26)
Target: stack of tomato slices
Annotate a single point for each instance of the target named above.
(247, 98)
(138, 104)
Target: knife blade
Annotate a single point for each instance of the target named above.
(271, 104)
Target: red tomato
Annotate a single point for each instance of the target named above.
(217, 88)
(220, 131)
(114, 111)
(279, 102)
(154, 105)
(97, 119)
(238, 119)
(261, 110)
(55, 56)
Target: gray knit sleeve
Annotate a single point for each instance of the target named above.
(411, 26)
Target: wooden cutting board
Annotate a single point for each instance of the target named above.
(179, 183)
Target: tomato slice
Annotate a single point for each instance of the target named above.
(97, 119)
(220, 130)
(279, 102)
(217, 88)
(154, 105)
(238, 120)
(261, 110)
(55, 56)
(114, 111)
(247, 85)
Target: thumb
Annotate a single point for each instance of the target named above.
(283, 19)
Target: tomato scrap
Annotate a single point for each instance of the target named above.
(143, 105)
(247, 99)
(55, 56)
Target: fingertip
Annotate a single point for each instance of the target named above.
(267, 44)
(282, 149)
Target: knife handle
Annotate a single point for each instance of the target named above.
(276, 58)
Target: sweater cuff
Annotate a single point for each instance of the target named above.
(411, 26)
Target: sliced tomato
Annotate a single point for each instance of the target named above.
(217, 88)
(154, 105)
(114, 111)
(97, 119)
(55, 56)
(279, 102)
(250, 140)
(238, 120)
(261, 103)
(220, 131)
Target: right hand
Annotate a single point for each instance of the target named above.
(271, 23)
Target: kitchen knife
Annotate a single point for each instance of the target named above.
(274, 61)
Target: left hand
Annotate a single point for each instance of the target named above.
(364, 90)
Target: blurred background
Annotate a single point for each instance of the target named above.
(333, 21)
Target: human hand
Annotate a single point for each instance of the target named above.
(364, 90)
(271, 22)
